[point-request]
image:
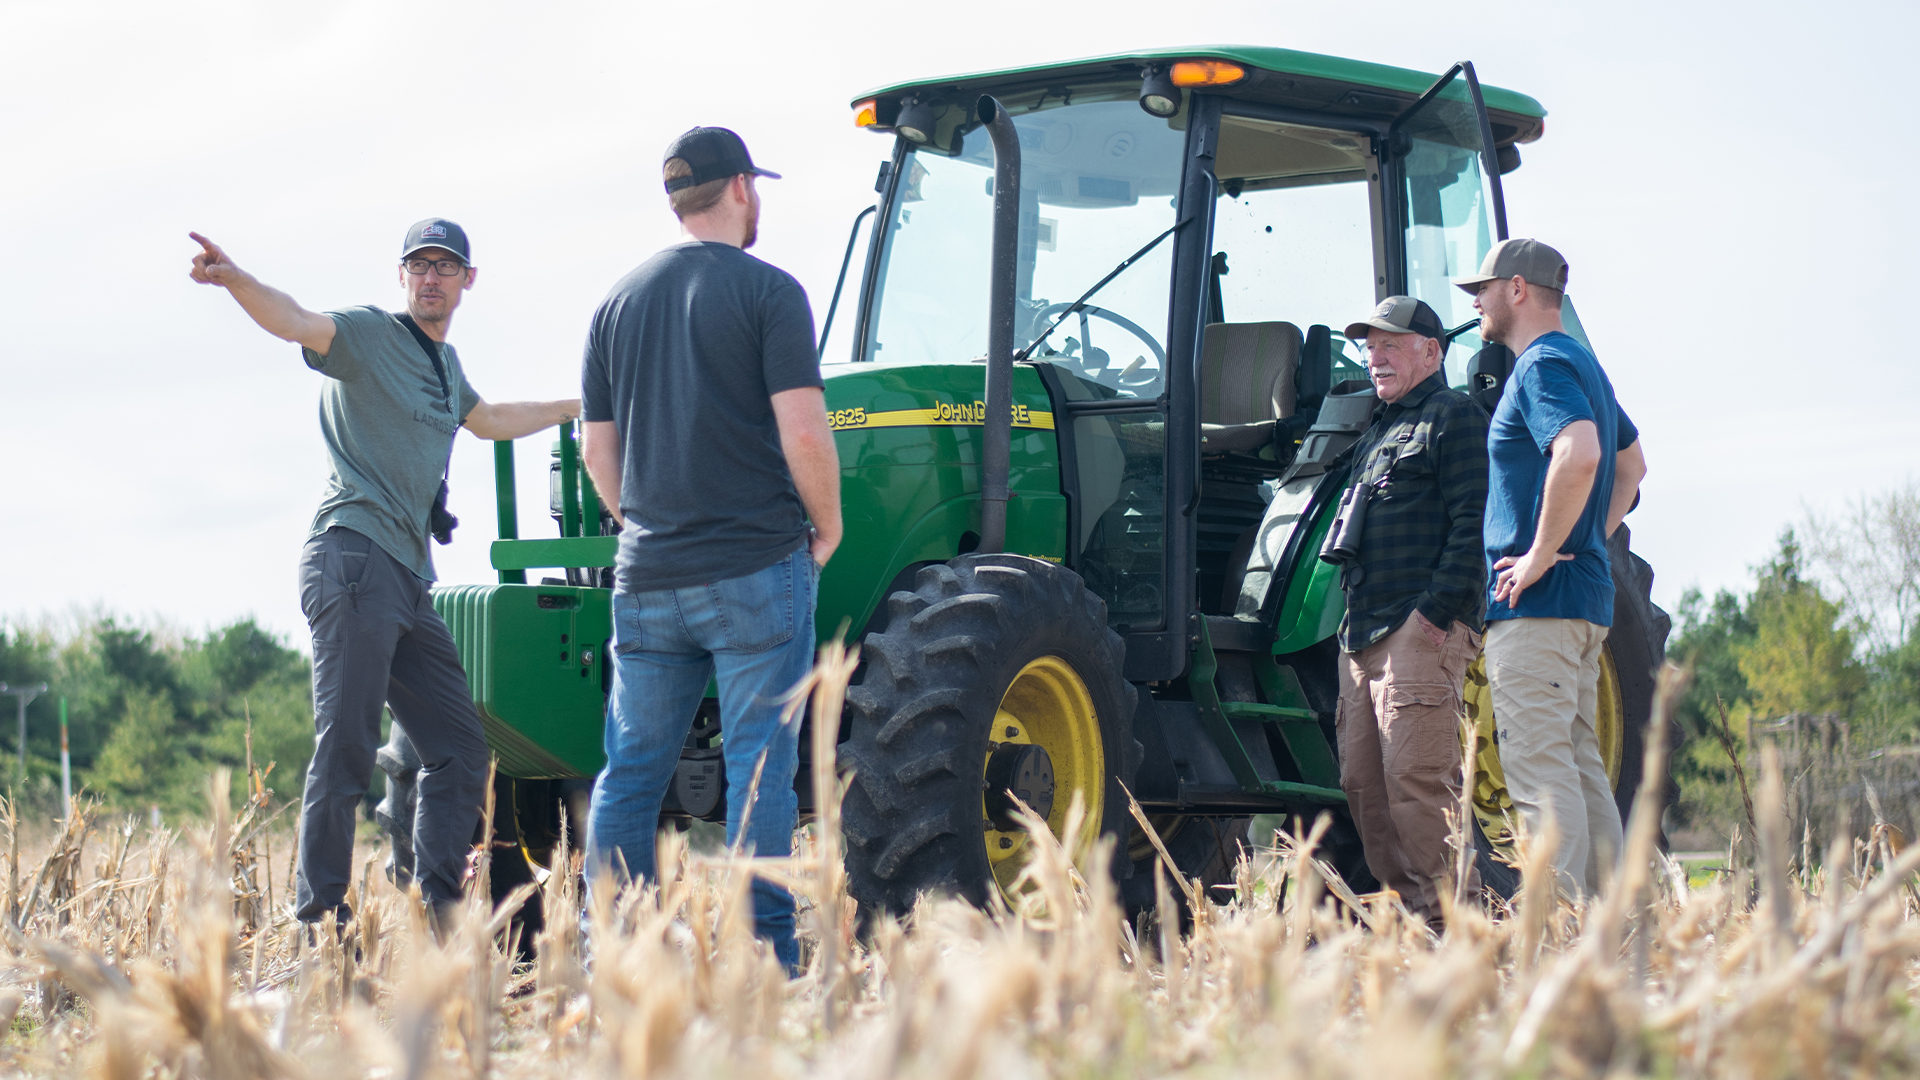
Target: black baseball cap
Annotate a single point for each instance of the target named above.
(715, 154)
(437, 232)
(1400, 315)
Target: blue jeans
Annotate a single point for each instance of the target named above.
(752, 634)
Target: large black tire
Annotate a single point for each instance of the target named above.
(1638, 642)
(514, 800)
(1207, 850)
(401, 763)
(923, 715)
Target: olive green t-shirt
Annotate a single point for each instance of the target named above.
(389, 431)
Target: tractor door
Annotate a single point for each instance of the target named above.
(1450, 211)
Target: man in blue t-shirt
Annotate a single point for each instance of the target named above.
(1566, 465)
(706, 426)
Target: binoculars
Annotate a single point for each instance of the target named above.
(1349, 522)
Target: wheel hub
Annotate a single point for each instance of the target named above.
(1018, 770)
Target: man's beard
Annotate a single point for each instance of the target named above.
(1494, 324)
(421, 314)
(753, 225)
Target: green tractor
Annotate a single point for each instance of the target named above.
(1093, 426)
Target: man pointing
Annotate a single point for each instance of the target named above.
(394, 396)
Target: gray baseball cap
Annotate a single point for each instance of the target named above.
(1529, 259)
(437, 232)
(1399, 315)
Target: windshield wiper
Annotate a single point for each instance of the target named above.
(1101, 284)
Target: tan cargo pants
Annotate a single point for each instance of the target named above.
(1545, 677)
(1399, 732)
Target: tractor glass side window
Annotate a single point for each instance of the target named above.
(1293, 230)
(1122, 509)
(1449, 210)
(1098, 181)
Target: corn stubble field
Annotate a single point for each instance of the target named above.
(164, 954)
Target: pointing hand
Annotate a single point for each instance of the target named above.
(212, 266)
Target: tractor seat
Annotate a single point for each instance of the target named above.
(1246, 383)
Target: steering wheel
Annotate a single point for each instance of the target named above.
(1094, 365)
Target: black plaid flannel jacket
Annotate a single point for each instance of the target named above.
(1426, 458)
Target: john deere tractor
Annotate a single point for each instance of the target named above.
(1093, 424)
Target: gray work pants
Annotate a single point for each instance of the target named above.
(377, 640)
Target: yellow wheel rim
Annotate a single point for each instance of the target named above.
(1491, 803)
(1048, 703)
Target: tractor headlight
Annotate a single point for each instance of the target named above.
(916, 120)
(1158, 95)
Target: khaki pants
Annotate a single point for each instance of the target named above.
(1545, 677)
(1399, 731)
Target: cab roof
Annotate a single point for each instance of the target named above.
(1299, 80)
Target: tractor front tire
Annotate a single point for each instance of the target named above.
(401, 763)
(1206, 850)
(986, 652)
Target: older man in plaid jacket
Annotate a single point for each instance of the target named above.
(1415, 604)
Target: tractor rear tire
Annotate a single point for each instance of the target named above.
(936, 693)
(1638, 642)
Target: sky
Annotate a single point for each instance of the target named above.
(1722, 178)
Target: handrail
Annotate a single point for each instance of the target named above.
(506, 500)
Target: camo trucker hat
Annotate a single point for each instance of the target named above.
(715, 154)
(1399, 315)
(436, 232)
(1529, 259)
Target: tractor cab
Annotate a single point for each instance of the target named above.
(1192, 227)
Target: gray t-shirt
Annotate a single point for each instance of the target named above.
(684, 357)
(389, 431)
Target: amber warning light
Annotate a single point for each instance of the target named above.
(1207, 73)
(866, 114)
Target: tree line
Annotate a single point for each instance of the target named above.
(1822, 649)
(152, 711)
(1820, 654)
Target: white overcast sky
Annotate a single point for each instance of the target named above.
(1729, 181)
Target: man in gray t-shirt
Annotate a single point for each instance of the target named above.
(395, 395)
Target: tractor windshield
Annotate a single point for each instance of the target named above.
(1099, 177)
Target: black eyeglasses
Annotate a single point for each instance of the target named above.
(443, 268)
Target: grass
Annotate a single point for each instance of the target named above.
(159, 954)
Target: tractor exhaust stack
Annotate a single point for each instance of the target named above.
(998, 434)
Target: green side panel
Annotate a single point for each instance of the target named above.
(1276, 61)
(1314, 603)
(561, 551)
(536, 661)
(909, 443)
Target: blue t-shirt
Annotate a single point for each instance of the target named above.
(1554, 383)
